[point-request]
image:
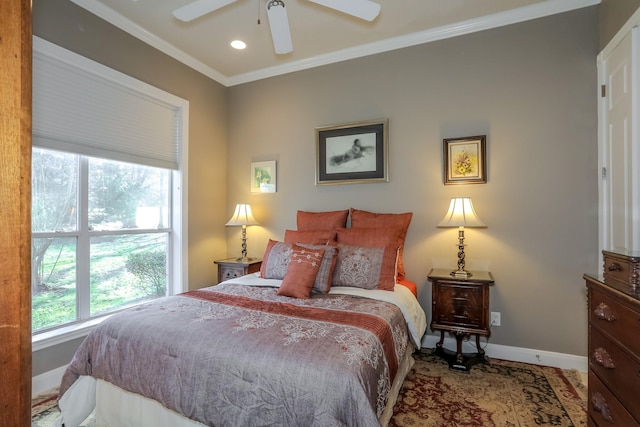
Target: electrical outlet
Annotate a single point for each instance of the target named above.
(495, 318)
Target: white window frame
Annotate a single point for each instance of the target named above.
(178, 255)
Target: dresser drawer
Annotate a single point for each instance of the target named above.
(616, 369)
(604, 408)
(621, 268)
(615, 319)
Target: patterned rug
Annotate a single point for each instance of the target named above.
(500, 394)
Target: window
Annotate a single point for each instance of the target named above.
(108, 192)
(108, 215)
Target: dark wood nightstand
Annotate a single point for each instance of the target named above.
(460, 306)
(236, 267)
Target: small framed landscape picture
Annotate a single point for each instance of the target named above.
(352, 153)
(263, 177)
(464, 160)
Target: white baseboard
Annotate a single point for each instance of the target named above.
(515, 354)
(47, 381)
(51, 379)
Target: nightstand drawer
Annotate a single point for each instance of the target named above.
(460, 305)
(461, 317)
(231, 273)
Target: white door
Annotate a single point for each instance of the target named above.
(619, 184)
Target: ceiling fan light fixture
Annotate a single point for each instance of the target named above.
(279, 25)
(363, 9)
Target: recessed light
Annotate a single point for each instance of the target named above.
(238, 44)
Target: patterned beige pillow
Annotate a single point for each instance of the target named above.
(275, 261)
(386, 238)
(358, 266)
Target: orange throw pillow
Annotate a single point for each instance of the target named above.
(302, 272)
(310, 237)
(365, 219)
(330, 220)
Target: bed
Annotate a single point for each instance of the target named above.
(304, 342)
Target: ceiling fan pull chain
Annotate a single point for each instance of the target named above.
(258, 3)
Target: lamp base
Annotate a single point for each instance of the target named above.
(461, 274)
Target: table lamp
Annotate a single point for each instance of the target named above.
(461, 214)
(243, 217)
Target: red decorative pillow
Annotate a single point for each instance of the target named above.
(385, 239)
(330, 220)
(277, 256)
(302, 272)
(325, 273)
(364, 219)
(310, 237)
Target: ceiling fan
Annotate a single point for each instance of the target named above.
(277, 15)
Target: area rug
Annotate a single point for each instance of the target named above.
(500, 394)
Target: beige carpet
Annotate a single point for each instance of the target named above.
(501, 393)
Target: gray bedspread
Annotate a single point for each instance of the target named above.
(237, 355)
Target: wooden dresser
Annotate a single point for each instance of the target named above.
(614, 352)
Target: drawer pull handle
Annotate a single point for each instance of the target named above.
(602, 357)
(600, 405)
(460, 299)
(604, 312)
(614, 266)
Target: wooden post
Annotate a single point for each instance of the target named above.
(15, 213)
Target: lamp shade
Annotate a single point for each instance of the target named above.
(242, 216)
(461, 214)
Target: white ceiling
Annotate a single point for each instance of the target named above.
(320, 35)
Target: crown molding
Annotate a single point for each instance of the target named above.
(127, 25)
(534, 11)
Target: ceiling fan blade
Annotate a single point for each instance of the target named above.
(363, 9)
(198, 8)
(279, 24)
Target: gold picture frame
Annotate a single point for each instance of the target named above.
(465, 160)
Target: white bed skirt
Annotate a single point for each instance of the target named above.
(111, 406)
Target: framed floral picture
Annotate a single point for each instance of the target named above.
(465, 160)
(263, 177)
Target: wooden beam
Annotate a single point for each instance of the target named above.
(15, 212)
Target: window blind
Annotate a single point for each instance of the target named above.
(83, 107)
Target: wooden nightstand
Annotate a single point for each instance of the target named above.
(235, 267)
(460, 306)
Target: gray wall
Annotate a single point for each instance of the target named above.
(67, 25)
(529, 87)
